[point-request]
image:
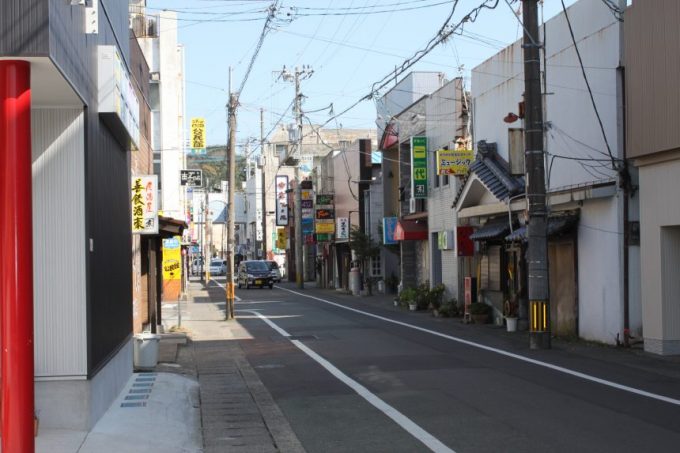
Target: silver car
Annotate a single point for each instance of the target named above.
(275, 271)
(218, 267)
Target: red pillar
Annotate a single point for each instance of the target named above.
(16, 258)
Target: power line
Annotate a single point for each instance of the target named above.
(590, 92)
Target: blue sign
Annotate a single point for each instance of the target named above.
(389, 225)
(171, 243)
(307, 226)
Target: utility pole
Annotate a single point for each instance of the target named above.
(297, 75)
(537, 253)
(208, 233)
(231, 177)
(264, 185)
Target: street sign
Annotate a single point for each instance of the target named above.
(191, 178)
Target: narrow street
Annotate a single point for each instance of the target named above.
(355, 374)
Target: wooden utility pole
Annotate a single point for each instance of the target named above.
(231, 177)
(296, 76)
(537, 253)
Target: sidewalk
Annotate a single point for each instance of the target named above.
(202, 397)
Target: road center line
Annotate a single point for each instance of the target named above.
(407, 424)
(557, 368)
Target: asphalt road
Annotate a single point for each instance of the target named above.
(351, 382)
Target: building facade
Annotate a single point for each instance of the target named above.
(81, 201)
(653, 144)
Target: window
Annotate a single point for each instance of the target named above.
(376, 267)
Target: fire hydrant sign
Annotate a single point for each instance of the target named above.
(419, 167)
(144, 204)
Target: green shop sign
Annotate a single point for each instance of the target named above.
(419, 167)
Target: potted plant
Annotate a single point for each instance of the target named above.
(510, 308)
(479, 312)
(409, 297)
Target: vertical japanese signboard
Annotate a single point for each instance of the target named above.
(281, 239)
(419, 167)
(144, 204)
(281, 200)
(198, 135)
(389, 225)
(342, 231)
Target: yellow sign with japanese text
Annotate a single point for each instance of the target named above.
(172, 258)
(454, 162)
(325, 227)
(281, 238)
(198, 134)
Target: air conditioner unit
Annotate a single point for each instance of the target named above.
(412, 205)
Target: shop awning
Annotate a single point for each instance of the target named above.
(491, 231)
(556, 227)
(411, 230)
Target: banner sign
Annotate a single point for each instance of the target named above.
(172, 259)
(144, 204)
(419, 167)
(389, 225)
(198, 135)
(342, 231)
(325, 228)
(281, 238)
(325, 214)
(454, 162)
(281, 200)
(191, 178)
(307, 226)
(324, 200)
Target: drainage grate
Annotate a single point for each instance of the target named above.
(138, 404)
(136, 397)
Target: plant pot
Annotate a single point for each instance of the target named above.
(413, 307)
(511, 324)
(480, 319)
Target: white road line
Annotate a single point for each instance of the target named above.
(557, 368)
(236, 298)
(407, 424)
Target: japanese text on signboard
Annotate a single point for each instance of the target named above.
(198, 134)
(281, 200)
(419, 167)
(454, 162)
(144, 204)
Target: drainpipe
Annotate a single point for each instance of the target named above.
(16, 257)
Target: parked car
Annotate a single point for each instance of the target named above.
(254, 273)
(196, 266)
(218, 267)
(275, 271)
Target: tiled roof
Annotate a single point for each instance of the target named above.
(556, 226)
(492, 171)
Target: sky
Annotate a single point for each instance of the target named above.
(349, 45)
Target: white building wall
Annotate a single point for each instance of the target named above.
(659, 189)
(572, 131)
(59, 242)
(599, 275)
(443, 124)
(171, 61)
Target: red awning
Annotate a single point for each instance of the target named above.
(410, 230)
(390, 137)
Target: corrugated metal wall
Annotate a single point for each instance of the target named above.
(58, 242)
(652, 37)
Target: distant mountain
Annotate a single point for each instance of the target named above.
(214, 166)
